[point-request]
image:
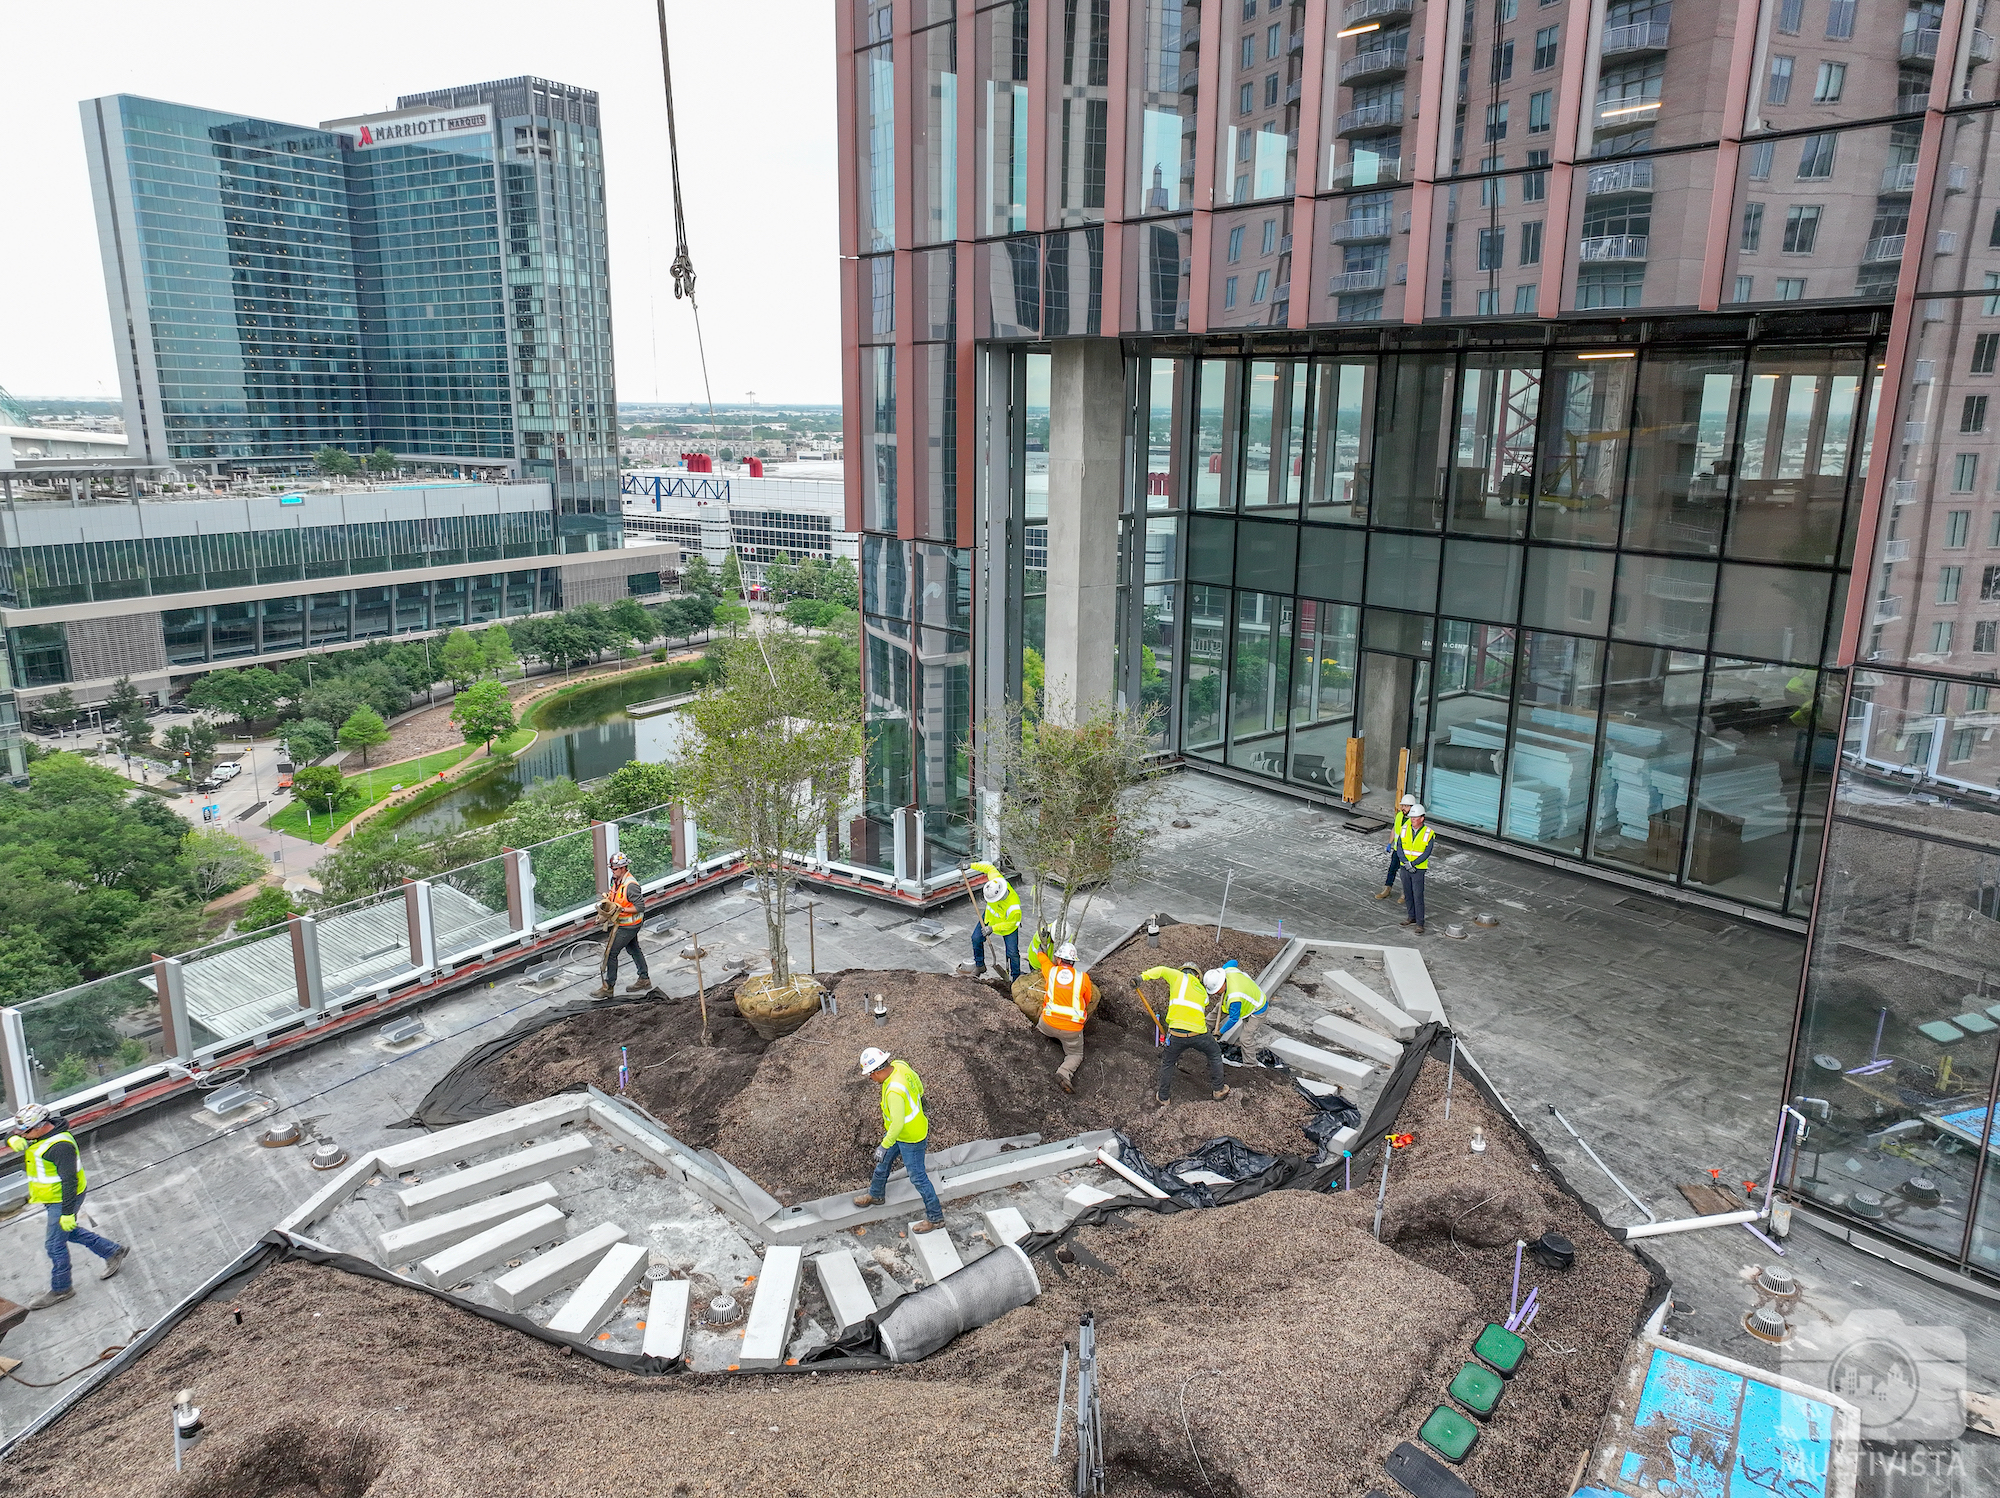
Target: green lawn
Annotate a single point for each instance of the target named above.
(514, 743)
(367, 787)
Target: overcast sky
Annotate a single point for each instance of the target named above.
(753, 96)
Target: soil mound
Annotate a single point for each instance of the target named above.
(807, 1122)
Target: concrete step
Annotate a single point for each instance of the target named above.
(1371, 1003)
(1358, 1038)
(1006, 1225)
(667, 1320)
(555, 1270)
(834, 1213)
(1281, 966)
(603, 1290)
(768, 1332)
(422, 1239)
(936, 1252)
(1310, 1058)
(1410, 981)
(1085, 1196)
(482, 1136)
(506, 1240)
(522, 1168)
(847, 1295)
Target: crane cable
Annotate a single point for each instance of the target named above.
(682, 269)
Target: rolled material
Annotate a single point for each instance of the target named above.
(984, 1290)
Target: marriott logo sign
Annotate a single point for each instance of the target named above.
(428, 127)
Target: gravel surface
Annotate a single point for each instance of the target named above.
(337, 1387)
(807, 1122)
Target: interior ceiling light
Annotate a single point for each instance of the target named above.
(1357, 30)
(1619, 354)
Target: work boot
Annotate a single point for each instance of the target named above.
(639, 985)
(605, 990)
(113, 1264)
(1064, 1083)
(1418, 924)
(1219, 1096)
(865, 1200)
(925, 1227)
(1410, 921)
(1384, 892)
(50, 1298)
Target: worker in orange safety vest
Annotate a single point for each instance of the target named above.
(1066, 1001)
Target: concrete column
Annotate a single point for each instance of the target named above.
(14, 1061)
(176, 1035)
(423, 929)
(306, 971)
(1086, 448)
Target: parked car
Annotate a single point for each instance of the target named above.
(223, 774)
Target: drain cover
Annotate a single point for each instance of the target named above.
(1766, 1325)
(1775, 1280)
(1486, 918)
(723, 1310)
(1923, 1190)
(1826, 1062)
(280, 1135)
(1865, 1204)
(329, 1156)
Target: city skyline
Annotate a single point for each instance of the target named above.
(59, 345)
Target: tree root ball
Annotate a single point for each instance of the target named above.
(774, 1009)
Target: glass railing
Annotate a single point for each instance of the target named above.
(240, 986)
(565, 874)
(364, 946)
(647, 838)
(91, 1035)
(469, 909)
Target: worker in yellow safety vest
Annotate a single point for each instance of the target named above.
(1395, 848)
(56, 1183)
(624, 910)
(1243, 1003)
(1415, 846)
(1187, 1026)
(1000, 917)
(904, 1130)
(1066, 1001)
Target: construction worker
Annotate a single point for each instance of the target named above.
(1415, 846)
(904, 1130)
(1066, 1001)
(1187, 1026)
(1001, 917)
(1243, 1003)
(56, 1181)
(1395, 848)
(624, 908)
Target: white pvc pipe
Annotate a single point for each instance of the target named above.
(1689, 1224)
(1107, 1159)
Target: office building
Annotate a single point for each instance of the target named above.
(431, 280)
(1573, 411)
(759, 518)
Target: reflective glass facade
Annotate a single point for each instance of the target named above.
(1614, 441)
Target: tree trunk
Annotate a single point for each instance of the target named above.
(775, 891)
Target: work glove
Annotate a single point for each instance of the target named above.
(18, 1143)
(67, 1224)
(881, 1153)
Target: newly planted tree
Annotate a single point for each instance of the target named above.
(364, 730)
(483, 712)
(771, 766)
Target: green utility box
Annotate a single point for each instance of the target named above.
(1448, 1433)
(1478, 1389)
(1500, 1349)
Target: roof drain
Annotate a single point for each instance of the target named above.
(984, 1290)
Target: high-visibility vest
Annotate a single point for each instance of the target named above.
(1240, 988)
(44, 1181)
(624, 904)
(1396, 832)
(1066, 997)
(1003, 916)
(1416, 845)
(1187, 1002)
(903, 1120)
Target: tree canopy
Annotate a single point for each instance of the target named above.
(483, 712)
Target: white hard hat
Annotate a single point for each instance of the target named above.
(994, 889)
(1416, 810)
(1407, 801)
(873, 1060)
(1066, 952)
(1213, 979)
(31, 1117)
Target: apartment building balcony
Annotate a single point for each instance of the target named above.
(1640, 36)
(1915, 103)
(1957, 177)
(1889, 609)
(1981, 49)
(1613, 247)
(1919, 46)
(1376, 62)
(1356, 280)
(1899, 177)
(1364, 227)
(1885, 247)
(1372, 172)
(1369, 117)
(1375, 10)
(1913, 433)
(1294, 90)
(1902, 491)
(1618, 113)
(1897, 550)
(1622, 176)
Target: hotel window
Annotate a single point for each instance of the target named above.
(1531, 243)
(1964, 479)
(1801, 228)
(1972, 415)
(1545, 47)
(1274, 41)
(1492, 249)
(1249, 52)
(1271, 91)
(1958, 523)
(1839, 20)
(1779, 89)
(1525, 298)
(1753, 227)
(1948, 581)
(1791, 15)
(1540, 111)
(1503, 62)
(1790, 289)
(1760, 154)
(1496, 121)
(1985, 348)
(1261, 286)
(1229, 293)
(1746, 287)
(1983, 636)
(1270, 235)
(1832, 79)
(1816, 157)
(1235, 244)
(1989, 582)
(1941, 637)
(1246, 99)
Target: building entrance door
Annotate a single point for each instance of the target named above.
(1395, 696)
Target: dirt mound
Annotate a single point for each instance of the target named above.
(806, 1124)
(1114, 973)
(672, 1075)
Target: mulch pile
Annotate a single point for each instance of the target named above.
(799, 1119)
